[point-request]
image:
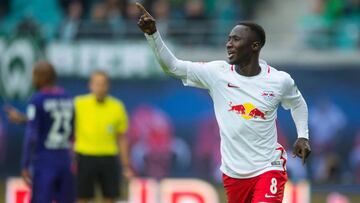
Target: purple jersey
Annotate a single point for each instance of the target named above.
(49, 129)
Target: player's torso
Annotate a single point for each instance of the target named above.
(55, 111)
(251, 98)
(246, 110)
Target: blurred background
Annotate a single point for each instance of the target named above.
(173, 132)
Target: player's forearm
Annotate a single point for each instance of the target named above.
(123, 151)
(28, 147)
(25, 161)
(168, 62)
(299, 114)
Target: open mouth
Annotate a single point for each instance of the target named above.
(231, 54)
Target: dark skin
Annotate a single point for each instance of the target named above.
(243, 51)
(43, 75)
(243, 48)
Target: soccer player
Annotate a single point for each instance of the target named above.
(246, 93)
(46, 162)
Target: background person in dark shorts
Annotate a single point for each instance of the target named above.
(100, 124)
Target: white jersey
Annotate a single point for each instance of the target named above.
(245, 109)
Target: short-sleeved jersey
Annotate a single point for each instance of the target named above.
(49, 128)
(98, 125)
(246, 111)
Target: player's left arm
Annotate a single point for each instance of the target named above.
(123, 143)
(124, 156)
(293, 100)
(30, 140)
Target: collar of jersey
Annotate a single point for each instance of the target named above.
(262, 65)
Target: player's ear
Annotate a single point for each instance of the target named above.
(256, 46)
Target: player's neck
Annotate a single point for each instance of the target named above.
(248, 68)
(47, 86)
(100, 99)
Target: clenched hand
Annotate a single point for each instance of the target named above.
(146, 22)
(302, 149)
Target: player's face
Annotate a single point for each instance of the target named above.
(239, 44)
(99, 85)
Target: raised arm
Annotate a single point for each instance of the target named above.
(168, 62)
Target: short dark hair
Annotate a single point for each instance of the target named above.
(46, 69)
(259, 31)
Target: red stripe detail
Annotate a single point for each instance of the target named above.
(294, 194)
(54, 90)
(282, 158)
(21, 195)
(232, 67)
(143, 191)
(268, 69)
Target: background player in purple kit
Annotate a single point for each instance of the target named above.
(46, 162)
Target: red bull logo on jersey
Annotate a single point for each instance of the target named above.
(247, 111)
(268, 95)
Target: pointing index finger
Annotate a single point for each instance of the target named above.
(143, 10)
(303, 154)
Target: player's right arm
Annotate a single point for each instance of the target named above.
(169, 63)
(30, 139)
(192, 73)
(14, 115)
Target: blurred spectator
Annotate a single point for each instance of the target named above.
(334, 9)
(316, 27)
(4, 8)
(46, 13)
(115, 15)
(154, 148)
(332, 23)
(160, 10)
(70, 26)
(194, 10)
(29, 28)
(98, 27)
(132, 14)
(326, 124)
(352, 8)
(207, 150)
(348, 32)
(115, 18)
(326, 168)
(197, 25)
